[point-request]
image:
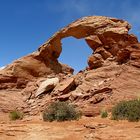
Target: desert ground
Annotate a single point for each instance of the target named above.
(93, 128)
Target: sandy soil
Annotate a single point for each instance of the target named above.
(84, 129)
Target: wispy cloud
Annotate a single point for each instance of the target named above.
(1, 68)
(73, 6)
(68, 11)
(79, 7)
(131, 12)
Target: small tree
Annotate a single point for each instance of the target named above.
(61, 111)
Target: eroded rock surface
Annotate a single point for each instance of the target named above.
(46, 86)
(84, 27)
(113, 73)
(107, 37)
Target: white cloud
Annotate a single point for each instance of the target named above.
(67, 11)
(72, 9)
(1, 68)
(72, 6)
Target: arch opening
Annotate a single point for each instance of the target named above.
(75, 53)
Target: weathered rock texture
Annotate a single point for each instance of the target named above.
(107, 37)
(47, 86)
(82, 28)
(29, 68)
(113, 73)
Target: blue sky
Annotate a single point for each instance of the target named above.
(26, 24)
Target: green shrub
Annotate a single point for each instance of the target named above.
(129, 110)
(15, 115)
(61, 111)
(104, 114)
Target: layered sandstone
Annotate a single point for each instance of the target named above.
(107, 37)
(113, 73)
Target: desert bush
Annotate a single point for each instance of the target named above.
(129, 110)
(104, 114)
(61, 111)
(15, 115)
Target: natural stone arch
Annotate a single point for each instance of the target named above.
(107, 34)
(84, 27)
(108, 37)
(75, 53)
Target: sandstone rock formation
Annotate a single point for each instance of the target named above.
(64, 86)
(82, 28)
(113, 73)
(46, 86)
(29, 68)
(107, 37)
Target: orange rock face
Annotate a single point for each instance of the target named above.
(29, 68)
(106, 36)
(86, 27)
(105, 82)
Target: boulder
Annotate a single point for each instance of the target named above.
(46, 86)
(105, 54)
(64, 87)
(123, 56)
(95, 61)
(93, 41)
